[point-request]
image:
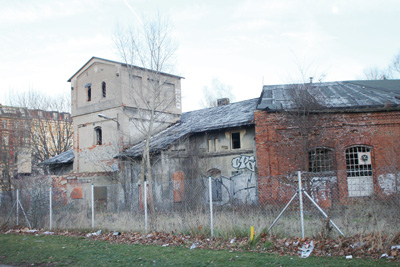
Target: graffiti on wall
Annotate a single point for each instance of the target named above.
(244, 162)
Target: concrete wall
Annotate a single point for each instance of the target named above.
(191, 160)
(120, 104)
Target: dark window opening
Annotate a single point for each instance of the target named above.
(103, 88)
(321, 160)
(99, 137)
(235, 140)
(89, 93)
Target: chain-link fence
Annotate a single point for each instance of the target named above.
(357, 204)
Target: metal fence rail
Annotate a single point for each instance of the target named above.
(299, 204)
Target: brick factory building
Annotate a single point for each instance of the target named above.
(343, 135)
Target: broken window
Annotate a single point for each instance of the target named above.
(99, 135)
(320, 160)
(359, 171)
(89, 93)
(88, 87)
(169, 94)
(104, 89)
(235, 140)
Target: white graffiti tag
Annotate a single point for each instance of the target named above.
(244, 162)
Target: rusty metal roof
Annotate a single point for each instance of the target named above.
(227, 116)
(344, 95)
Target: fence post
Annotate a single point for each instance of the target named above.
(17, 206)
(301, 204)
(92, 206)
(145, 206)
(51, 208)
(211, 206)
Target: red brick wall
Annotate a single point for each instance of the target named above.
(280, 153)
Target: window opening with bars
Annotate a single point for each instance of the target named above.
(359, 171)
(321, 160)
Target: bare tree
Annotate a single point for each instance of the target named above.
(395, 66)
(375, 73)
(215, 91)
(49, 130)
(390, 72)
(304, 116)
(149, 46)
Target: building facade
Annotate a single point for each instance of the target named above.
(28, 137)
(215, 142)
(112, 105)
(342, 135)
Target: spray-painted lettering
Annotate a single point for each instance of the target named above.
(244, 162)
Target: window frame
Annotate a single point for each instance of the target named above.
(98, 136)
(104, 89)
(323, 160)
(89, 93)
(235, 140)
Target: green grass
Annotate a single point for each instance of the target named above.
(62, 251)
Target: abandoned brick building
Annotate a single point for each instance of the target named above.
(345, 135)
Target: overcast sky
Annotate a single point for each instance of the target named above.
(243, 43)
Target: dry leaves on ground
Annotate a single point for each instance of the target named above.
(359, 246)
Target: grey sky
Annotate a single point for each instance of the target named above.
(44, 42)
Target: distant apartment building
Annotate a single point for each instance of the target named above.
(27, 137)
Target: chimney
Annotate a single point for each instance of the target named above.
(311, 78)
(223, 101)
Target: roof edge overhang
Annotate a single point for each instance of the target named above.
(121, 63)
(359, 109)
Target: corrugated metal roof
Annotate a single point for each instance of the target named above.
(355, 95)
(227, 116)
(63, 158)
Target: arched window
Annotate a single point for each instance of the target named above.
(359, 171)
(321, 159)
(88, 92)
(104, 89)
(98, 136)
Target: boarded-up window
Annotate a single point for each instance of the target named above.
(169, 95)
(100, 197)
(216, 183)
(359, 171)
(179, 186)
